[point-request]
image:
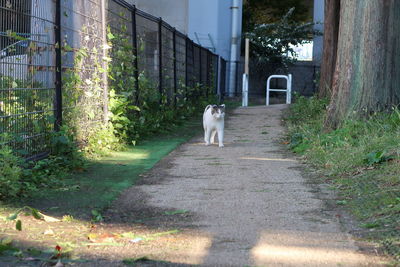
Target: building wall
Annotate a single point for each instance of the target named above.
(213, 17)
(203, 21)
(174, 12)
(207, 22)
(209, 19)
(318, 40)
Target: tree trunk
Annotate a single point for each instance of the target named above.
(367, 72)
(331, 30)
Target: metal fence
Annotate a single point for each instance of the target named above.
(27, 74)
(305, 78)
(45, 80)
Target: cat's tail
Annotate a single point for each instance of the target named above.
(209, 106)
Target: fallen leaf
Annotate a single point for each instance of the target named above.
(136, 240)
(18, 225)
(102, 238)
(49, 218)
(92, 237)
(36, 214)
(6, 241)
(48, 232)
(129, 235)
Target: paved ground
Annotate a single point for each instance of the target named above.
(249, 202)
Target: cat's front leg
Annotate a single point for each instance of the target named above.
(212, 136)
(221, 137)
(207, 136)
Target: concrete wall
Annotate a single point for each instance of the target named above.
(203, 21)
(174, 12)
(213, 17)
(209, 19)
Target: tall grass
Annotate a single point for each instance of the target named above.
(361, 159)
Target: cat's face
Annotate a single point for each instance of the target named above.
(218, 112)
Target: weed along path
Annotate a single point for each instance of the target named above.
(246, 204)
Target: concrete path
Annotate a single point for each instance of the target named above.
(252, 206)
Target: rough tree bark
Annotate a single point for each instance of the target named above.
(367, 72)
(331, 30)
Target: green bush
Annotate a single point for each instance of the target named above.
(10, 173)
(19, 178)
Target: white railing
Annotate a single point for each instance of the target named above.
(288, 89)
(245, 90)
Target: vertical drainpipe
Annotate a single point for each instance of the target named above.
(234, 47)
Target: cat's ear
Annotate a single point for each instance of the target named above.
(222, 106)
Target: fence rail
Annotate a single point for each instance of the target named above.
(42, 83)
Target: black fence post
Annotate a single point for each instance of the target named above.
(135, 53)
(207, 73)
(200, 72)
(236, 93)
(186, 64)
(175, 74)
(216, 74)
(58, 73)
(160, 65)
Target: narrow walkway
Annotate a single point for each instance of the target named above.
(251, 201)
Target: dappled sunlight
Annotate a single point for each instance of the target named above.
(81, 240)
(267, 159)
(180, 248)
(215, 144)
(187, 249)
(304, 248)
(129, 155)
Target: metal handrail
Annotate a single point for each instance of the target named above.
(288, 89)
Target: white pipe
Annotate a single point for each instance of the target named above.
(234, 47)
(245, 90)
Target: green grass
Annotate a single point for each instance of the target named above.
(361, 159)
(101, 182)
(105, 178)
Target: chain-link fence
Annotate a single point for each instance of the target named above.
(27, 74)
(51, 53)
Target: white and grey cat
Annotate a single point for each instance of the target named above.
(213, 122)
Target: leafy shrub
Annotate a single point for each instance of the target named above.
(19, 178)
(10, 173)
